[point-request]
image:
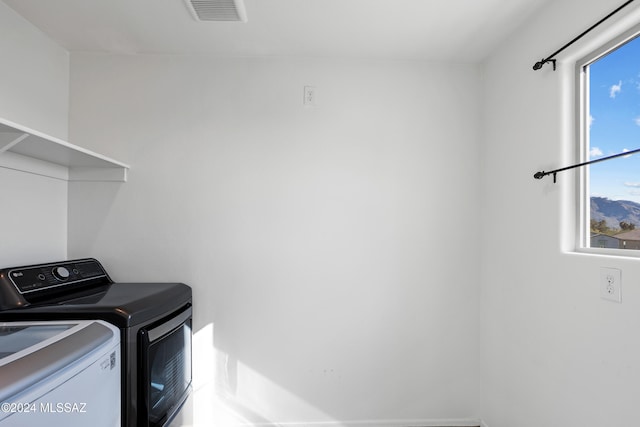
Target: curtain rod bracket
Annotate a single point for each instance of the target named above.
(542, 174)
(538, 65)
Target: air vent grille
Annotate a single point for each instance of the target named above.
(217, 10)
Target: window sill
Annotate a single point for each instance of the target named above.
(616, 253)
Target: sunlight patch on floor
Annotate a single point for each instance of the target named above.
(228, 393)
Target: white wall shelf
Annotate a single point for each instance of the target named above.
(31, 151)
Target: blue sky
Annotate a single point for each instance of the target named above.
(615, 122)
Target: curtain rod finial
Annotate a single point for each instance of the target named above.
(539, 175)
(538, 65)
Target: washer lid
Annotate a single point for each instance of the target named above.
(16, 338)
(38, 350)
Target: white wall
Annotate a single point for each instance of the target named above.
(334, 249)
(34, 89)
(553, 353)
(34, 77)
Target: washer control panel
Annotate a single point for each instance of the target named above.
(40, 277)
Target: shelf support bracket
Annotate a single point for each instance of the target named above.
(13, 143)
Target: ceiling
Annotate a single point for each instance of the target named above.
(463, 30)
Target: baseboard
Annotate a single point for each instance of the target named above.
(462, 422)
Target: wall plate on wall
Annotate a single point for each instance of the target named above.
(610, 283)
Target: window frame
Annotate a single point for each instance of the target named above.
(583, 205)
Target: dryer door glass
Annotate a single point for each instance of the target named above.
(167, 377)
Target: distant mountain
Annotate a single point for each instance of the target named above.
(615, 211)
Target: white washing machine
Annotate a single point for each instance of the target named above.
(59, 373)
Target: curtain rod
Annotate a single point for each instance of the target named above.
(538, 65)
(542, 174)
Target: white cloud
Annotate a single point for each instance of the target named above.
(624, 151)
(595, 152)
(615, 89)
(632, 184)
(637, 120)
(592, 119)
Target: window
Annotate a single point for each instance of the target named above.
(610, 124)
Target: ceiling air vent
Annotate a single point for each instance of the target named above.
(217, 10)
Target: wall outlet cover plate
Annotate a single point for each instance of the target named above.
(610, 284)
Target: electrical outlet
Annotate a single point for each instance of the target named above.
(610, 283)
(310, 96)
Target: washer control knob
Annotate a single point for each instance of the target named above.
(61, 273)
